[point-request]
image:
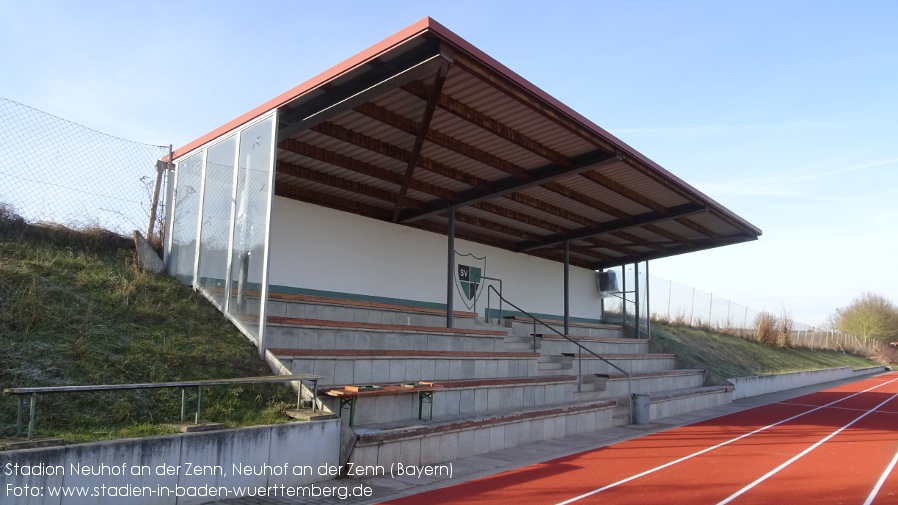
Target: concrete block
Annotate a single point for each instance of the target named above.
(410, 451)
(492, 368)
(511, 435)
(467, 368)
(428, 369)
(380, 370)
(466, 401)
(482, 441)
(481, 400)
(480, 368)
(413, 370)
(448, 446)
(344, 372)
(324, 368)
(430, 450)
(397, 370)
(497, 438)
(361, 371)
(525, 432)
(441, 369)
(388, 453)
(465, 444)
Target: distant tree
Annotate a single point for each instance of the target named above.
(869, 315)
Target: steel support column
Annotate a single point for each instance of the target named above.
(567, 288)
(450, 273)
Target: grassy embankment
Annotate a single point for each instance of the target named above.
(730, 356)
(75, 309)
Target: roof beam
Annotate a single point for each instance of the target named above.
(402, 123)
(384, 149)
(333, 181)
(330, 201)
(589, 161)
(643, 200)
(419, 63)
(673, 251)
(489, 124)
(527, 98)
(613, 226)
(521, 218)
(423, 128)
(496, 227)
(361, 167)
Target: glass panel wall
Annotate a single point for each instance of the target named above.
(250, 224)
(186, 211)
(215, 230)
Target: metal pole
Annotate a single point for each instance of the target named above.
(692, 307)
(160, 168)
(636, 295)
(567, 288)
(648, 297)
(31, 415)
(450, 277)
(623, 303)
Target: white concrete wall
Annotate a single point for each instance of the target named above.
(318, 248)
(293, 444)
(762, 384)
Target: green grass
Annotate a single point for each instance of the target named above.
(730, 356)
(75, 309)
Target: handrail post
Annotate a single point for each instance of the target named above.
(199, 394)
(183, 404)
(579, 371)
(31, 416)
(19, 416)
(534, 334)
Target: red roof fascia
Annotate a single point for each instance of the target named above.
(328, 75)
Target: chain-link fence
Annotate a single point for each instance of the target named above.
(668, 302)
(53, 170)
(682, 305)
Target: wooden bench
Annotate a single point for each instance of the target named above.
(349, 394)
(183, 385)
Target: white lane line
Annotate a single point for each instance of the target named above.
(881, 480)
(801, 454)
(709, 449)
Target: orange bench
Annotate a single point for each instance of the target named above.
(349, 394)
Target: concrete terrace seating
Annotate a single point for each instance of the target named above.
(494, 389)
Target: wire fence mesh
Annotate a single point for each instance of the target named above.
(57, 171)
(677, 304)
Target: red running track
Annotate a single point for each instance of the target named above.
(834, 446)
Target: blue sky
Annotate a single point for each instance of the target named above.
(785, 112)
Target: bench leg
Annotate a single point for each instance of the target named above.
(425, 397)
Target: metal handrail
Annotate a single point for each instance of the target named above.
(579, 355)
(32, 392)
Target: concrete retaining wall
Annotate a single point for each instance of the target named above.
(152, 468)
(758, 385)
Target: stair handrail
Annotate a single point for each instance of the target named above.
(579, 355)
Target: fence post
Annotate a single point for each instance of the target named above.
(692, 306)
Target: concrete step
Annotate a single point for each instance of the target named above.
(362, 311)
(524, 326)
(615, 385)
(547, 365)
(523, 343)
(671, 403)
(438, 441)
(286, 332)
(633, 363)
(339, 367)
(460, 397)
(555, 344)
